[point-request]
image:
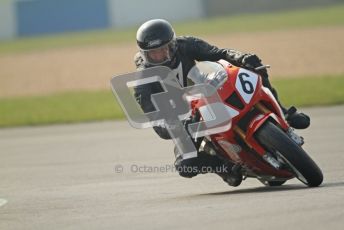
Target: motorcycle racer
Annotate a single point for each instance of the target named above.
(159, 46)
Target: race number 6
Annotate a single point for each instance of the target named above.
(246, 84)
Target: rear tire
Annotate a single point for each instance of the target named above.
(278, 142)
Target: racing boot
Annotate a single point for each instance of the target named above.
(295, 119)
(229, 172)
(232, 174)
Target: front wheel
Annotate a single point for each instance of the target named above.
(279, 143)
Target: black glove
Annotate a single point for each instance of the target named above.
(251, 61)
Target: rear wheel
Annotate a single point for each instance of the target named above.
(279, 143)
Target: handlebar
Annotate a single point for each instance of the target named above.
(262, 67)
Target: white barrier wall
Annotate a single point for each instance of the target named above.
(7, 20)
(135, 12)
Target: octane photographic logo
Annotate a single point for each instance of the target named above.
(172, 106)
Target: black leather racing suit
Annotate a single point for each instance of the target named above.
(191, 49)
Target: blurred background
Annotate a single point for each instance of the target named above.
(21, 18)
(58, 56)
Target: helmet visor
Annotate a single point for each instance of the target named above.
(159, 55)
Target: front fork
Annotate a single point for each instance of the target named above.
(256, 123)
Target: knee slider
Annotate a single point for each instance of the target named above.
(186, 167)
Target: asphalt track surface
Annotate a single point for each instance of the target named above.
(103, 176)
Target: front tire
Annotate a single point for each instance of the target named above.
(279, 143)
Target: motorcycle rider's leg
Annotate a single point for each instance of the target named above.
(205, 163)
(295, 119)
(201, 164)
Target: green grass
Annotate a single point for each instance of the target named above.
(101, 105)
(306, 91)
(324, 16)
(66, 107)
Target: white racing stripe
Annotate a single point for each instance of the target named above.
(2, 202)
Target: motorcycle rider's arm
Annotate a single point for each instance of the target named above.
(200, 50)
(143, 97)
(203, 51)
